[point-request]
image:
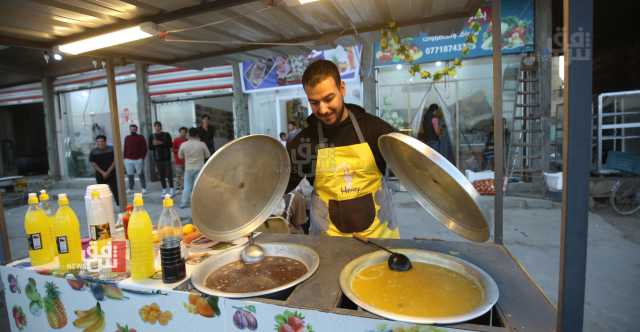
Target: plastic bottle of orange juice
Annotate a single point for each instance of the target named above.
(38, 232)
(66, 231)
(48, 210)
(140, 233)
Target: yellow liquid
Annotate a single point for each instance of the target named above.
(37, 228)
(140, 231)
(66, 229)
(424, 291)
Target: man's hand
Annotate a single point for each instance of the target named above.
(157, 142)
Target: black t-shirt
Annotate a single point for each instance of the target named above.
(161, 152)
(102, 158)
(206, 136)
(302, 149)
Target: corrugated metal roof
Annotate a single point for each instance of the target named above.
(225, 30)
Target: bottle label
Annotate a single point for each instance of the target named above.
(35, 241)
(63, 247)
(99, 232)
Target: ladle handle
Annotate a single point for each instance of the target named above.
(366, 240)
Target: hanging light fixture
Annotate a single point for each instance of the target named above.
(123, 36)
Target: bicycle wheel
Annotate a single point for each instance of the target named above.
(625, 197)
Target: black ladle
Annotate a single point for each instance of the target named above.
(397, 261)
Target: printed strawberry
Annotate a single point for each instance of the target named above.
(286, 328)
(295, 322)
(125, 328)
(54, 308)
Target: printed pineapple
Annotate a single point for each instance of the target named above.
(54, 308)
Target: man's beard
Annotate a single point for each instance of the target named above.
(339, 115)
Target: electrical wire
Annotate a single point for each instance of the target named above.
(215, 22)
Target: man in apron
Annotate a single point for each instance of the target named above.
(338, 153)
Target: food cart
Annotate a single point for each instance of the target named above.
(41, 300)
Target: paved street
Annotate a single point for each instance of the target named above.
(531, 233)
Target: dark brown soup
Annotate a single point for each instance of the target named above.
(271, 272)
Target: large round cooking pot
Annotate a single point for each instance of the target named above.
(474, 273)
(298, 252)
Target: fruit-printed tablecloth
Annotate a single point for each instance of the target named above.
(40, 302)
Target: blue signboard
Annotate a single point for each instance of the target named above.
(517, 37)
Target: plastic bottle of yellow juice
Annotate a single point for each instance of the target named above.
(38, 232)
(48, 210)
(66, 231)
(140, 233)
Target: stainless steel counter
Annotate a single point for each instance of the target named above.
(521, 307)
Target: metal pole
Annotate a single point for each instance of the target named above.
(48, 96)
(5, 254)
(600, 100)
(498, 136)
(578, 27)
(115, 124)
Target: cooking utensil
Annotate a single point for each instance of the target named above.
(252, 253)
(397, 261)
(436, 184)
(471, 271)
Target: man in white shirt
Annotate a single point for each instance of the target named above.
(194, 153)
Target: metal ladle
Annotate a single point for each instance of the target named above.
(397, 261)
(253, 253)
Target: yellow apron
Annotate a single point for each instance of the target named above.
(349, 192)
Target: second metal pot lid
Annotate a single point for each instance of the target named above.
(436, 184)
(239, 186)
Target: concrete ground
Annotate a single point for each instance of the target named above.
(531, 233)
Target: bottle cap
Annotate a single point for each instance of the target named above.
(43, 195)
(167, 202)
(33, 199)
(137, 199)
(63, 199)
(95, 194)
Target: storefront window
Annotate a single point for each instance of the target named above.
(270, 111)
(174, 115)
(86, 115)
(465, 102)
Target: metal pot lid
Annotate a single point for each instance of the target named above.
(239, 186)
(436, 184)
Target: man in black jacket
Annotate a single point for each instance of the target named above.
(160, 145)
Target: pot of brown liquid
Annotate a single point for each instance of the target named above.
(285, 265)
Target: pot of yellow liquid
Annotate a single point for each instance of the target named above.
(439, 289)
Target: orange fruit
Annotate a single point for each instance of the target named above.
(204, 308)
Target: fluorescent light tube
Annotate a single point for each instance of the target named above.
(144, 30)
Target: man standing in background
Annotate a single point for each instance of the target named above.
(182, 137)
(195, 153)
(101, 158)
(135, 150)
(292, 131)
(206, 133)
(160, 144)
